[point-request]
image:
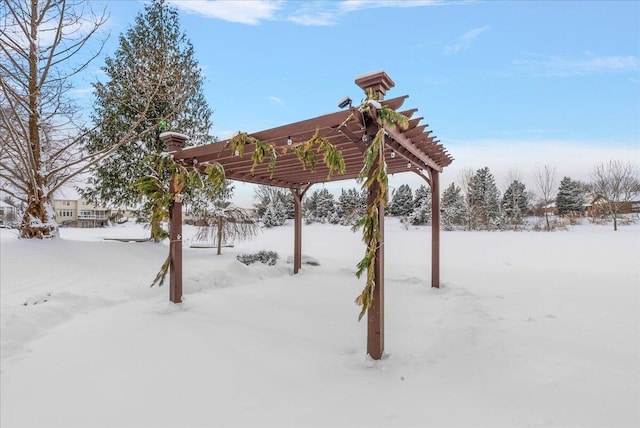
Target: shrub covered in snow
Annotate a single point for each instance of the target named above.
(267, 257)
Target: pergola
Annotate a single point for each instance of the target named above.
(413, 149)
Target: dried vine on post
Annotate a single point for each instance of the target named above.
(374, 176)
(158, 190)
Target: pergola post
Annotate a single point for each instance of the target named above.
(435, 229)
(375, 313)
(379, 82)
(297, 239)
(174, 142)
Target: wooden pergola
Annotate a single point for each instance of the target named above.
(414, 149)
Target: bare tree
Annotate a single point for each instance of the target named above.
(39, 43)
(227, 224)
(464, 179)
(545, 180)
(43, 46)
(616, 182)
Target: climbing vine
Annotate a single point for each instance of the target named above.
(373, 177)
(332, 157)
(157, 189)
(240, 140)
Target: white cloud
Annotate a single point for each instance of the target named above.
(352, 5)
(305, 13)
(589, 64)
(81, 92)
(276, 100)
(244, 12)
(465, 41)
(318, 19)
(327, 13)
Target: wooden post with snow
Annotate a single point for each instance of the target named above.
(379, 82)
(174, 142)
(297, 238)
(298, 194)
(435, 228)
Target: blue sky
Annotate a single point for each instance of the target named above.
(509, 85)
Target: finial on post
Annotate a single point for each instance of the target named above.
(378, 81)
(174, 141)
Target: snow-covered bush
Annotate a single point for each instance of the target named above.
(267, 257)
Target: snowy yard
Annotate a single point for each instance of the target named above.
(529, 329)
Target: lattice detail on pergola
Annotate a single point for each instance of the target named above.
(411, 150)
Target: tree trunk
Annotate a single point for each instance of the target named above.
(220, 235)
(546, 217)
(36, 222)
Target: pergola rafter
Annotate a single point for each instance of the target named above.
(413, 149)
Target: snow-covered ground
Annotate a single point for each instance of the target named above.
(529, 329)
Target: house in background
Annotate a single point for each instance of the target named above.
(8, 214)
(80, 213)
(596, 205)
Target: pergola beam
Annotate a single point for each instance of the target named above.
(407, 144)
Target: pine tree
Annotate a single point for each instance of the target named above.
(153, 70)
(421, 213)
(453, 207)
(515, 202)
(402, 201)
(350, 206)
(325, 206)
(483, 200)
(266, 195)
(320, 206)
(570, 197)
(274, 215)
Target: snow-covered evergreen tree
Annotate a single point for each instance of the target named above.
(153, 71)
(454, 211)
(515, 202)
(325, 206)
(421, 213)
(267, 194)
(484, 200)
(570, 197)
(401, 202)
(320, 206)
(351, 206)
(274, 214)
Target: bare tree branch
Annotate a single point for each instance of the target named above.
(545, 180)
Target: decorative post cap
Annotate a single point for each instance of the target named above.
(379, 81)
(173, 140)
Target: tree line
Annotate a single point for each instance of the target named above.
(474, 201)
